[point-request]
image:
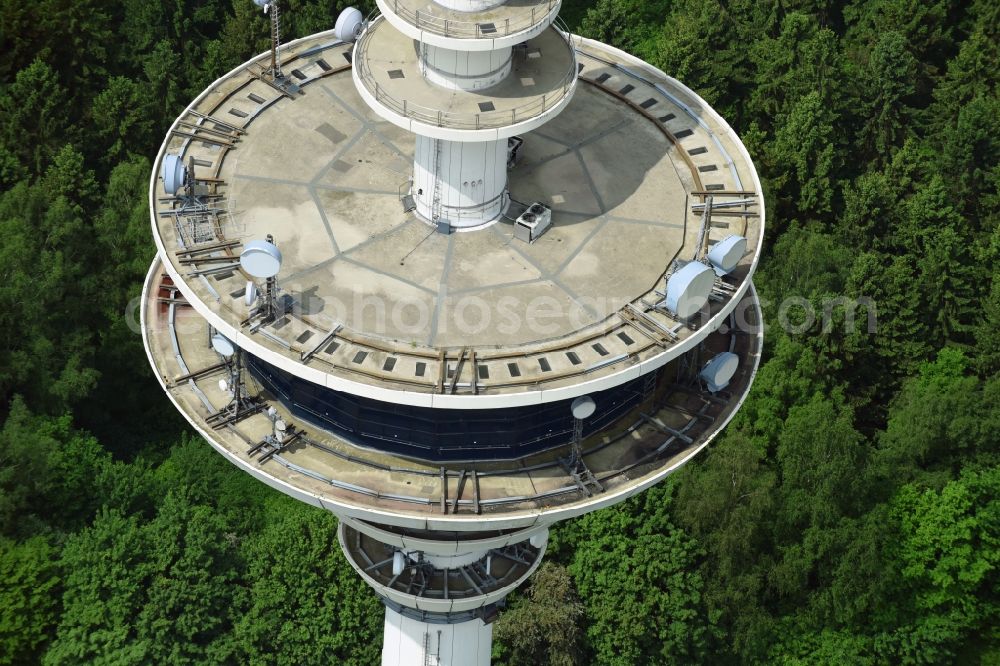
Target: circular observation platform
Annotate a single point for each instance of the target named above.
(488, 29)
(381, 308)
(540, 84)
(459, 588)
(482, 503)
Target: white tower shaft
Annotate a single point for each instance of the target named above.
(462, 184)
(465, 70)
(410, 642)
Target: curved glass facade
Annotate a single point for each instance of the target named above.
(441, 434)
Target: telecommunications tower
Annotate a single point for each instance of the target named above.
(453, 274)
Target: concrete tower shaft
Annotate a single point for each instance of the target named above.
(467, 179)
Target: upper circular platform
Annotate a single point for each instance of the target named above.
(496, 27)
(388, 77)
(381, 306)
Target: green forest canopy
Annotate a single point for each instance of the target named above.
(849, 514)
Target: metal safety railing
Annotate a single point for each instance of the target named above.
(521, 22)
(466, 121)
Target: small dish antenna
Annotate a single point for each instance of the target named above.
(349, 26)
(719, 371)
(224, 386)
(688, 289)
(174, 173)
(261, 259)
(280, 428)
(583, 407)
(727, 253)
(539, 540)
(398, 563)
(251, 293)
(223, 345)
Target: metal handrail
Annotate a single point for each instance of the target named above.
(470, 29)
(474, 121)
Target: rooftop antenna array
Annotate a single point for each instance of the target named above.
(582, 408)
(193, 210)
(234, 386)
(262, 259)
(271, 7)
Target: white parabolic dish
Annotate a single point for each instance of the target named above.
(174, 173)
(727, 253)
(348, 24)
(261, 259)
(718, 372)
(688, 289)
(583, 407)
(223, 345)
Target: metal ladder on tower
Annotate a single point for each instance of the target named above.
(436, 199)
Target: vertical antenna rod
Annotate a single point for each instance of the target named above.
(272, 6)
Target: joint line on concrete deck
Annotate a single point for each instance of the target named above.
(442, 289)
(361, 119)
(337, 155)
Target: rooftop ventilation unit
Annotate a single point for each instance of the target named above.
(533, 222)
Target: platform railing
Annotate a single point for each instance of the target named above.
(471, 29)
(464, 121)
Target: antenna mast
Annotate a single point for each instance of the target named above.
(271, 6)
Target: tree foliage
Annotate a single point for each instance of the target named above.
(848, 514)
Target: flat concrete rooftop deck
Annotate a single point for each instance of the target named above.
(392, 302)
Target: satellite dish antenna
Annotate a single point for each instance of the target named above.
(261, 259)
(539, 540)
(726, 254)
(174, 173)
(251, 293)
(583, 407)
(718, 372)
(688, 289)
(398, 563)
(224, 386)
(223, 345)
(349, 24)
